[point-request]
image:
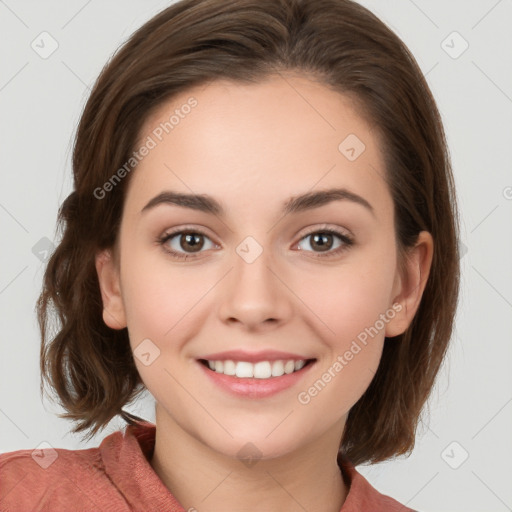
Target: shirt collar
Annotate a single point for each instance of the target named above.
(126, 457)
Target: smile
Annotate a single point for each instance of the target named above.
(258, 380)
(259, 370)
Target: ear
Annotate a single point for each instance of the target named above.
(110, 286)
(410, 283)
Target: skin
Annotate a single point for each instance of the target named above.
(253, 147)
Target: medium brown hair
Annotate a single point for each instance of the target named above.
(343, 46)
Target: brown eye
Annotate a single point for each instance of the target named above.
(193, 242)
(185, 244)
(323, 242)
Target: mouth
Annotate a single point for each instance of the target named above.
(264, 370)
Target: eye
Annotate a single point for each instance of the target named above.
(188, 240)
(186, 243)
(324, 241)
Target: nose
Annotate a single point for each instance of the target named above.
(254, 294)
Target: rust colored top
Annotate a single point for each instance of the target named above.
(117, 476)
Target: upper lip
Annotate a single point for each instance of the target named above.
(253, 357)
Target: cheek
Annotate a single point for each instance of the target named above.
(163, 301)
(349, 299)
(153, 299)
(349, 313)
(339, 383)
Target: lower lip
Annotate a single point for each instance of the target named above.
(255, 388)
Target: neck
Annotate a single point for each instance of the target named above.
(201, 478)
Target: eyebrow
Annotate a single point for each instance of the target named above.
(301, 203)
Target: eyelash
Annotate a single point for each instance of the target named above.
(162, 240)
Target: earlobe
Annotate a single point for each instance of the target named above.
(110, 287)
(410, 286)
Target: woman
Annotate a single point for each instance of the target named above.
(263, 233)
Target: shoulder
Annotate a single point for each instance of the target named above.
(363, 496)
(38, 479)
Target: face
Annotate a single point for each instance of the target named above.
(258, 270)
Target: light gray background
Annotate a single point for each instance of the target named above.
(41, 100)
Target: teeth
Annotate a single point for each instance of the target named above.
(277, 368)
(289, 366)
(242, 369)
(229, 368)
(259, 370)
(262, 370)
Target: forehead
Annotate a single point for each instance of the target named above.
(266, 141)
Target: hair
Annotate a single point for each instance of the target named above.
(338, 43)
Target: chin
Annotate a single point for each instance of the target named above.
(251, 444)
